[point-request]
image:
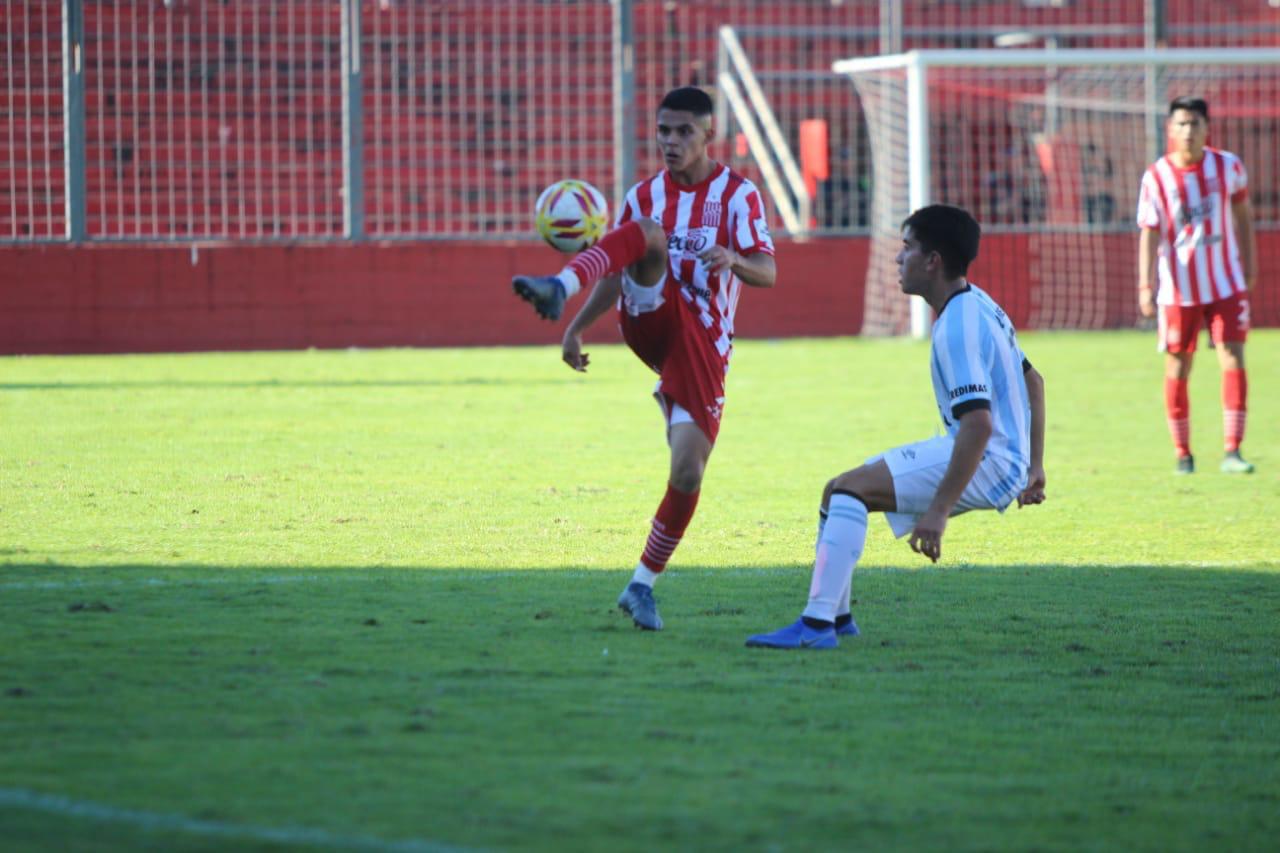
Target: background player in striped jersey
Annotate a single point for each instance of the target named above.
(686, 241)
(1197, 240)
(992, 404)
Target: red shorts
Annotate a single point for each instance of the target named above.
(672, 342)
(1227, 319)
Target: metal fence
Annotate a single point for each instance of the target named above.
(410, 119)
(32, 148)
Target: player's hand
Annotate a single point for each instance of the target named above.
(1034, 492)
(1147, 301)
(718, 259)
(572, 354)
(926, 538)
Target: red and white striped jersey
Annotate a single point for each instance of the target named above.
(1199, 257)
(725, 209)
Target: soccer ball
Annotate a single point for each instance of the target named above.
(571, 215)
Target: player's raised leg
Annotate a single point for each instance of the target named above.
(690, 450)
(639, 245)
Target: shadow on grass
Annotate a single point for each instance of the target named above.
(1057, 705)
(1121, 608)
(769, 589)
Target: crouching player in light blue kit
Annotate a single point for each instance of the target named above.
(992, 402)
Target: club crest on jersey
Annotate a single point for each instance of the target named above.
(1212, 184)
(711, 214)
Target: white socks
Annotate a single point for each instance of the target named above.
(569, 279)
(844, 604)
(643, 575)
(839, 548)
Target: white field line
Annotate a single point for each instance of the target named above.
(155, 821)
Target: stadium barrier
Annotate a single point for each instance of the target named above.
(101, 299)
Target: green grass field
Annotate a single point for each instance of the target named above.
(363, 600)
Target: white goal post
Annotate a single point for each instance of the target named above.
(947, 109)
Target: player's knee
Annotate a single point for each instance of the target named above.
(686, 479)
(1179, 366)
(858, 482)
(826, 491)
(846, 482)
(686, 475)
(655, 239)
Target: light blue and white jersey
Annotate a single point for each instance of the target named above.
(977, 364)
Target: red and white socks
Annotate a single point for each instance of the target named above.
(1235, 391)
(612, 253)
(665, 533)
(1177, 407)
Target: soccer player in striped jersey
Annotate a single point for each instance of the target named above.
(992, 405)
(1197, 260)
(685, 242)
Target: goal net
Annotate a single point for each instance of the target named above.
(1047, 149)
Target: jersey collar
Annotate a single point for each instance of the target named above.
(693, 188)
(967, 287)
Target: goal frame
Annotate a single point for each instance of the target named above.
(917, 63)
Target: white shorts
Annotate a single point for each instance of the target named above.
(672, 412)
(917, 469)
(638, 299)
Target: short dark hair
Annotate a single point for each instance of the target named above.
(1191, 104)
(950, 231)
(689, 99)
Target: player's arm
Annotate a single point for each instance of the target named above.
(1148, 246)
(971, 443)
(1034, 492)
(749, 253)
(603, 297)
(1242, 215)
(757, 269)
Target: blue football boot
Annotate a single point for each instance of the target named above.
(546, 293)
(796, 636)
(637, 601)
